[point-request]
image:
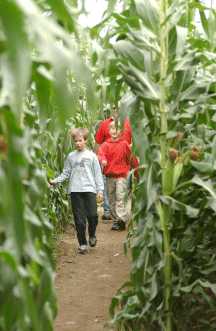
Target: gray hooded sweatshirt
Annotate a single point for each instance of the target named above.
(83, 170)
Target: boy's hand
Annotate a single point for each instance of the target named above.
(104, 163)
(99, 197)
(51, 183)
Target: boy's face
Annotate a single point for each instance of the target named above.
(80, 143)
(114, 133)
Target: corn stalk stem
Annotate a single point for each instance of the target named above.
(163, 73)
(165, 213)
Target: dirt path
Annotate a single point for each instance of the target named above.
(86, 283)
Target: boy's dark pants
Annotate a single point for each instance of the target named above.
(84, 207)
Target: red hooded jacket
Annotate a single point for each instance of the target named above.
(119, 158)
(103, 134)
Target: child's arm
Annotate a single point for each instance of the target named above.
(102, 155)
(99, 136)
(98, 176)
(64, 175)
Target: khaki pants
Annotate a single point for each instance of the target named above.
(120, 204)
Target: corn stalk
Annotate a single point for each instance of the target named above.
(164, 212)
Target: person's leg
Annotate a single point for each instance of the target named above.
(111, 184)
(129, 198)
(121, 201)
(106, 205)
(78, 209)
(91, 213)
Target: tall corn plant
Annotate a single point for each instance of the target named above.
(38, 55)
(170, 68)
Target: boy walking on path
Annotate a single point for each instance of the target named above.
(85, 185)
(116, 159)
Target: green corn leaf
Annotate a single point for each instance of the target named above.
(192, 92)
(149, 12)
(44, 90)
(8, 259)
(31, 217)
(152, 89)
(211, 203)
(181, 40)
(18, 52)
(184, 63)
(161, 214)
(62, 12)
(178, 205)
(189, 288)
(154, 287)
(213, 152)
(204, 21)
(111, 6)
(127, 50)
(145, 39)
(151, 192)
(30, 307)
(206, 185)
(202, 166)
(173, 15)
(212, 28)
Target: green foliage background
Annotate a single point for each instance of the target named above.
(150, 58)
(45, 88)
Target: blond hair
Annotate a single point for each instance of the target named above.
(79, 132)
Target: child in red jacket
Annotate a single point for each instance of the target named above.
(102, 135)
(116, 159)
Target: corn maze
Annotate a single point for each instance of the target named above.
(158, 61)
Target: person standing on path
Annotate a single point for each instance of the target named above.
(101, 136)
(83, 170)
(116, 159)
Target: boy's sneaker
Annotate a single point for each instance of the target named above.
(92, 241)
(83, 249)
(118, 226)
(122, 226)
(115, 227)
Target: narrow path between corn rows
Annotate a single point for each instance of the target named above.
(86, 283)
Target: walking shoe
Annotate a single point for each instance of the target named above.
(92, 241)
(119, 226)
(115, 226)
(83, 249)
(122, 226)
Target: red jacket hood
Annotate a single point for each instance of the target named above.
(103, 134)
